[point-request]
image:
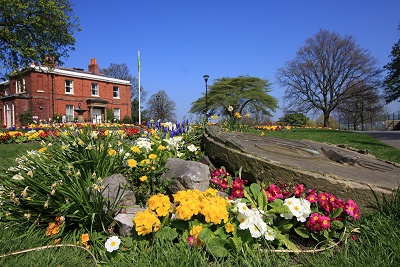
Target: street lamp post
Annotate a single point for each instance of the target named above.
(206, 79)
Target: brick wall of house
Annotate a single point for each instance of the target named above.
(45, 93)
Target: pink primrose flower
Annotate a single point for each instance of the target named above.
(273, 192)
(224, 183)
(192, 240)
(318, 222)
(312, 198)
(298, 190)
(237, 193)
(352, 209)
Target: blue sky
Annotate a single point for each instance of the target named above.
(180, 41)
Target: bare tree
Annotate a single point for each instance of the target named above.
(323, 71)
(121, 71)
(161, 107)
(358, 107)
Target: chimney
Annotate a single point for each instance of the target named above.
(93, 67)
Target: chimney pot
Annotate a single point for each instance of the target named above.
(93, 67)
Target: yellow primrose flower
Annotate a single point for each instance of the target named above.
(131, 163)
(143, 178)
(229, 228)
(135, 149)
(152, 156)
(160, 204)
(145, 161)
(146, 222)
(112, 152)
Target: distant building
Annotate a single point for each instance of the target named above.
(47, 93)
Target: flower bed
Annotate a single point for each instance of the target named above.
(259, 216)
(58, 190)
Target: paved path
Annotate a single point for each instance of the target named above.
(391, 138)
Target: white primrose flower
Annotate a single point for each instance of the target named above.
(112, 243)
(192, 148)
(259, 228)
(300, 208)
(270, 234)
(245, 221)
(243, 209)
(143, 143)
(174, 143)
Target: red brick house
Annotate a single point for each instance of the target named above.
(53, 92)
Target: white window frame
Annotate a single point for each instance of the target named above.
(95, 89)
(69, 112)
(115, 91)
(69, 89)
(20, 86)
(117, 114)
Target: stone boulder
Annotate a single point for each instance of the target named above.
(126, 207)
(115, 190)
(124, 220)
(186, 175)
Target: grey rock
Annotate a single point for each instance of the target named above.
(124, 220)
(116, 190)
(124, 201)
(186, 175)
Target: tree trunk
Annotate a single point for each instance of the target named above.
(326, 119)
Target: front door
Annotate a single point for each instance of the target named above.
(96, 115)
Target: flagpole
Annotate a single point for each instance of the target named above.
(140, 119)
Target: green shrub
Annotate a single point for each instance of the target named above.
(25, 117)
(126, 119)
(110, 115)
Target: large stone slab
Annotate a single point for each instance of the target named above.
(341, 171)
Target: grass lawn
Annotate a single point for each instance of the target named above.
(9, 152)
(377, 244)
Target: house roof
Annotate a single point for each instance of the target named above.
(80, 73)
(76, 73)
